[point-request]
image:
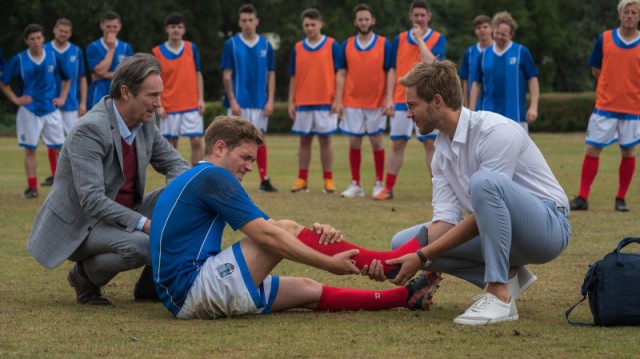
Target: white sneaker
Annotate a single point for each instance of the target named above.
(488, 309)
(520, 282)
(377, 188)
(353, 191)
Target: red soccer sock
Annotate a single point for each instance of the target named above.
(378, 160)
(261, 160)
(355, 159)
(53, 161)
(303, 173)
(391, 181)
(625, 172)
(589, 172)
(339, 299)
(32, 182)
(327, 174)
(365, 256)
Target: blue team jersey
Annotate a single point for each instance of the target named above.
(187, 225)
(250, 66)
(469, 70)
(37, 80)
(73, 60)
(504, 80)
(96, 51)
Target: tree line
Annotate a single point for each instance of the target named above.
(560, 34)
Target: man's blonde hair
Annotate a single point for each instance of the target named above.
(233, 131)
(503, 17)
(439, 77)
(622, 4)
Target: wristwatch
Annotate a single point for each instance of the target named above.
(425, 261)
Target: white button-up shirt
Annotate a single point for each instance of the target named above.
(490, 142)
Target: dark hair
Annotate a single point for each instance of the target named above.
(110, 15)
(31, 28)
(233, 131)
(481, 19)
(247, 9)
(363, 7)
(174, 18)
(420, 4)
(311, 13)
(132, 72)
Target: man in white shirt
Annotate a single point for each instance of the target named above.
(486, 165)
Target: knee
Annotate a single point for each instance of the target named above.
(135, 252)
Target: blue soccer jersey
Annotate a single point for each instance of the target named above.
(504, 80)
(36, 79)
(96, 52)
(187, 225)
(469, 70)
(250, 65)
(72, 58)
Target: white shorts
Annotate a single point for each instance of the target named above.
(361, 121)
(255, 116)
(183, 123)
(402, 127)
(315, 122)
(69, 118)
(30, 127)
(224, 288)
(603, 131)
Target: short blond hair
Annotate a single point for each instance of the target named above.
(233, 131)
(503, 17)
(439, 77)
(623, 3)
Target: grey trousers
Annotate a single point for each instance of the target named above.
(109, 250)
(516, 228)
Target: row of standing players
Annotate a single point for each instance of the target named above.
(355, 81)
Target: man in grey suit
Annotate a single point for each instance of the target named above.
(96, 213)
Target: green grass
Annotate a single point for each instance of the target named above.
(39, 316)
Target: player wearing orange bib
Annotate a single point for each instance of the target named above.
(312, 90)
(183, 97)
(408, 50)
(616, 117)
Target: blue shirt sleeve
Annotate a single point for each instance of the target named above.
(478, 66)
(596, 55)
(439, 48)
(81, 65)
(528, 65)
(128, 50)
(271, 58)
(12, 70)
(465, 64)
(394, 52)
(336, 53)
(387, 55)
(292, 63)
(62, 69)
(342, 62)
(226, 60)
(196, 56)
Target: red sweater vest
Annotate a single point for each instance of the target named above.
(127, 194)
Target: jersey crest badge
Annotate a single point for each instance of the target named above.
(72, 59)
(226, 270)
(263, 53)
(512, 60)
(50, 68)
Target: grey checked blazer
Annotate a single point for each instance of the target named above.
(87, 180)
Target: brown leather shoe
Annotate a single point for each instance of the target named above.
(145, 288)
(86, 291)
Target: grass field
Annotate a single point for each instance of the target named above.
(39, 316)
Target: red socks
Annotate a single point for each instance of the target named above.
(589, 172)
(378, 160)
(310, 238)
(355, 159)
(261, 160)
(391, 181)
(303, 173)
(32, 182)
(339, 299)
(53, 161)
(625, 172)
(327, 174)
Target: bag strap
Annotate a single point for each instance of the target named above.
(576, 324)
(622, 244)
(589, 280)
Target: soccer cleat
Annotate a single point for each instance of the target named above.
(300, 185)
(329, 186)
(266, 186)
(30, 193)
(384, 195)
(488, 309)
(377, 188)
(47, 182)
(579, 204)
(523, 279)
(621, 205)
(421, 289)
(353, 191)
